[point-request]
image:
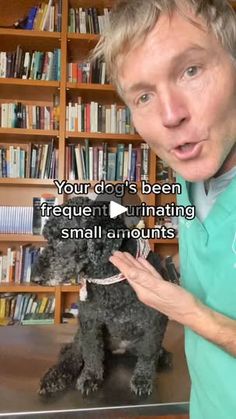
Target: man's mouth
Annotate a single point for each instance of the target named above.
(187, 151)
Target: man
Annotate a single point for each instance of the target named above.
(173, 62)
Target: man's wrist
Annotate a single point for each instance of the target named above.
(214, 326)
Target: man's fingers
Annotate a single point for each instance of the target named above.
(149, 267)
(135, 271)
(127, 266)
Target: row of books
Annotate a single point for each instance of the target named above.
(37, 161)
(87, 73)
(16, 220)
(25, 220)
(95, 117)
(97, 162)
(88, 20)
(19, 115)
(26, 309)
(35, 65)
(15, 266)
(44, 17)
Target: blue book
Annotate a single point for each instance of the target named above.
(133, 165)
(111, 166)
(30, 19)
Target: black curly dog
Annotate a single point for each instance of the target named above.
(111, 317)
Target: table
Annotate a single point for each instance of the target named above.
(26, 352)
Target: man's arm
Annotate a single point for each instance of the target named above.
(176, 302)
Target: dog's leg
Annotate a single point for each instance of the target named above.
(147, 350)
(165, 359)
(64, 374)
(142, 379)
(92, 348)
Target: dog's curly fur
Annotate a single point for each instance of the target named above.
(111, 317)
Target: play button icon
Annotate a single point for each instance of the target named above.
(116, 209)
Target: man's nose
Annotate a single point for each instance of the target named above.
(173, 109)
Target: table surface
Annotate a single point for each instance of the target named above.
(26, 352)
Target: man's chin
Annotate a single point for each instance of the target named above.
(197, 175)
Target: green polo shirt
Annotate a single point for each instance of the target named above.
(208, 270)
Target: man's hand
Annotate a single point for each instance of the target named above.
(153, 290)
(177, 303)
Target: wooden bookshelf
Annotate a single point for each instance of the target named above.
(18, 191)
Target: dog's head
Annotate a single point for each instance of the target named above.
(85, 251)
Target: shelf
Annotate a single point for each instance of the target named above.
(103, 136)
(20, 33)
(25, 288)
(70, 288)
(91, 86)
(26, 182)
(38, 288)
(36, 83)
(83, 37)
(21, 238)
(22, 132)
(29, 40)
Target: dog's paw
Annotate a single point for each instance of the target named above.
(54, 381)
(141, 386)
(88, 382)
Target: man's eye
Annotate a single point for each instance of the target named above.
(192, 71)
(143, 99)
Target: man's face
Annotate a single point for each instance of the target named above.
(180, 85)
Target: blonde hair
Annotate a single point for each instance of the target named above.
(132, 20)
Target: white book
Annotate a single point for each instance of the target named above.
(11, 150)
(8, 264)
(79, 162)
(18, 162)
(51, 19)
(90, 163)
(34, 307)
(1, 263)
(113, 119)
(45, 23)
(100, 164)
(49, 75)
(29, 306)
(96, 116)
(4, 115)
(79, 117)
(74, 115)
(69, 72)
(3, 64)
(70, 127)
(32, 66)
(92, 117)
(82, 19)
(103, 73)
(45, 153)
(108, 120)
(52, 308)
(125, 166)
(26, 66)
(101, 23)
(67, 118)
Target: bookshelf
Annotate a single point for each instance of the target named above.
(74, 47)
